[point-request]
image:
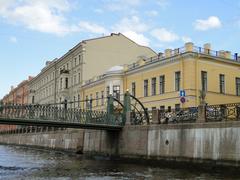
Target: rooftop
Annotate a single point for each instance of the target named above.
(169, 53)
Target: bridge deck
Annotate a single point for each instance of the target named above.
(58, 123)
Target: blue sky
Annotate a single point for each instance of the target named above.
(34, 31)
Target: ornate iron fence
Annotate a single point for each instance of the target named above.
(223, 112)
(183, 115)
(58, 113)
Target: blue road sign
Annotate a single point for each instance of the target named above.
(182, 93)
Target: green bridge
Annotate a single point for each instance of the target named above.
(53, 115)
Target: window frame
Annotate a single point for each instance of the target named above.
(161, 84)
(153, 86)
(237, 83)
(204, 81)
(145, 88)
(177, 80)
(222, 83)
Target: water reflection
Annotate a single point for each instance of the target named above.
(28, 163)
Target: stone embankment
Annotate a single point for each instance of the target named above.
(196, 142)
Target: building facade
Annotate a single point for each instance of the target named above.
(18, 95)
(159, 81)
(62, 79)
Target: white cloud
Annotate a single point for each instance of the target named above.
(212, 22)
(133, 24)
(119, 5)
(152, 13)
(164, 35)
(162, 3)
(91, 27)
(186, 39)
(13, 39)
(44, 16)
(137, 37)
(133, 28)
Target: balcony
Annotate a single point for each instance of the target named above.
(64, 71)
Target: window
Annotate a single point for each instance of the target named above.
(79, 78)
(162, 108)
(80, 59)
(145, 87)
(108, 91)
(153, 86)
(74, 99)
(133, 88)
(96, 98)
(238, 86)
(67, 66)
(90, 101)
(66, 83)
(74, 79)
(78, 100)
(177, 107)
(116, 91)
(60, 83)
(204, 80)
(102, 100)
(222, 83)
(154, 108)
(162, 84)
(177, 80)
(169, 109)
(75, 61)
(87, 103)
(32, 99)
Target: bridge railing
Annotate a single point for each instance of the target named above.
(223, 112)
(181, 115)
(58, 113)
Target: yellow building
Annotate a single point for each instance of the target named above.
(157, 81)
(62, 78)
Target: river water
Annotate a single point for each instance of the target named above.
(29, 163)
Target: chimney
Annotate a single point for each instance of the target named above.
(189, 47)
(176, 51)
(221, 53)
(141, 62)
(207, 48)
(168, 53)
(160, 55)
(47, 63)
(12, 87)
(228, 54)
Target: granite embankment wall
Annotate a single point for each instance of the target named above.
(69, 140)
(216, 142)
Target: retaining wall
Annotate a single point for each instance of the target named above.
(70, 140)
(216, 142)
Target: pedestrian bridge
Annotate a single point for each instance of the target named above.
(63, 115)
(54, 116)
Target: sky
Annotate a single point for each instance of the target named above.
(35, 31)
